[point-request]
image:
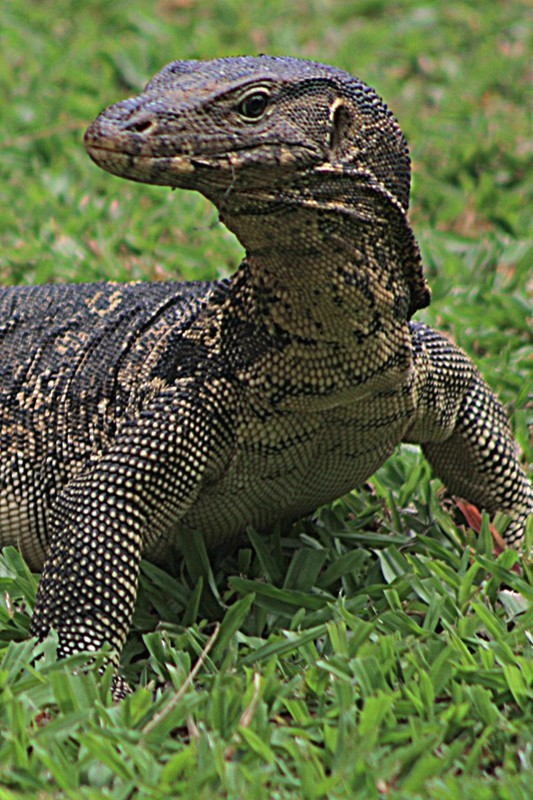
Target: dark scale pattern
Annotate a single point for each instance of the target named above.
(133, 414)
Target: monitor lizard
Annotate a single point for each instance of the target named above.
(130, 413)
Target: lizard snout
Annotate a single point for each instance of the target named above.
(127, 140)
(122, 126)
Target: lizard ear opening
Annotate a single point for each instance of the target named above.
(340, 122)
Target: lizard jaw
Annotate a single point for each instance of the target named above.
(164, 171)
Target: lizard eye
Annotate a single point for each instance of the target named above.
(253, 105)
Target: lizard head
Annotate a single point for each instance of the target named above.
(251, 124)
(262, 136)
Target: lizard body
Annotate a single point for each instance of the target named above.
(131, 413)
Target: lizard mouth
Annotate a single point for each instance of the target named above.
(141, 167)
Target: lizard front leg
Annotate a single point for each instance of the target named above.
(101, 522)
(465, 433)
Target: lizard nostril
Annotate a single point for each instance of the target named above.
(141, 126)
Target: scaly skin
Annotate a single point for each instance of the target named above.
(133, 413)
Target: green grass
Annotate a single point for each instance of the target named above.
(376, 650)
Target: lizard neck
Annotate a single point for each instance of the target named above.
(328, 269)
(337, 320)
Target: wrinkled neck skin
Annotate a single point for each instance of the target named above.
(329, 264)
